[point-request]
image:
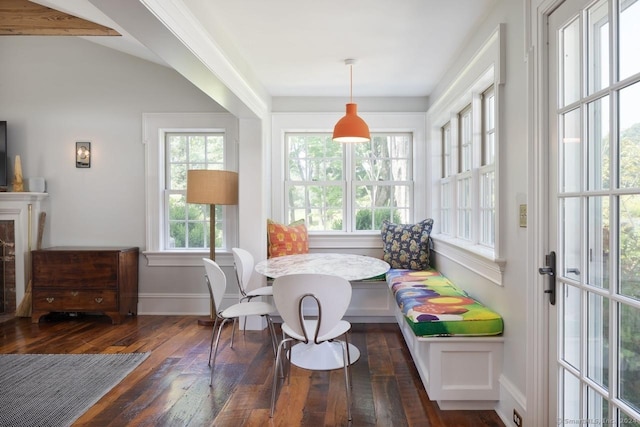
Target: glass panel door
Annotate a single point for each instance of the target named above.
(594, 218)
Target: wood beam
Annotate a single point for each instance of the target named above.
(25, 18)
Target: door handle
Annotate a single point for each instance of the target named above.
(550, 270)
(575, 271)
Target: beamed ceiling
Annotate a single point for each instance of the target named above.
(25, 18)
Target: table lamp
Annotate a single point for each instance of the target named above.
(212, 187)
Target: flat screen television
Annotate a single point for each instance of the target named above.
(4, 178)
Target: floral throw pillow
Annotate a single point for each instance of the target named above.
(407, 245)
(287, 239)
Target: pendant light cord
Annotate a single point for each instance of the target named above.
(351, 83)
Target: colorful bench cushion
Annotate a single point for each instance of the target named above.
(433, 306)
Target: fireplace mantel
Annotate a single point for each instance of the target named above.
(15, 207)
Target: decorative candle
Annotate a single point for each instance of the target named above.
(18, 185)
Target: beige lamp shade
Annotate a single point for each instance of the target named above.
(212, 187)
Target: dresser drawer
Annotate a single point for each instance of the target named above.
(74, 300)
(85, 279)
(72, 270)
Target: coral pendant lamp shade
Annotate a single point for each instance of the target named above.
(351, 128)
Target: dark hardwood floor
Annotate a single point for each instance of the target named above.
(171, 387)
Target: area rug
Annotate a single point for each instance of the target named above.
(56, 389)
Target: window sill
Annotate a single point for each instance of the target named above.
(326, 241)
(476, 258)
(185, 258)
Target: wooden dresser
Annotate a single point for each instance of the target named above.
(85, 279)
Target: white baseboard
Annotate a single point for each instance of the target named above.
(511, 398)
(171, 304)
(366, 307)
(370, 300)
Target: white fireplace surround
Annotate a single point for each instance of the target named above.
(15, 207)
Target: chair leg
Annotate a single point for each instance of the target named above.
(272, 332)
(346, 338)
(233, 330)
(274, 388)
(244, 324)
(287, 373)
(284, 371)
(347, 374)
(215, 350)
(213, 333)
(235, 322)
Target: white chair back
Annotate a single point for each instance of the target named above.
(216, 282)
(243, 261)
(332, 293)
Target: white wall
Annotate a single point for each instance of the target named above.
(510, 300)
(55, 91)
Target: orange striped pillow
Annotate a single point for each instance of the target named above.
(287, 239)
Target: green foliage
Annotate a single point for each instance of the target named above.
(195, 218)
(629, 208)
(629, 268)
(364, 220)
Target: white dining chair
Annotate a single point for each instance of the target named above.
(331, 295)
(243, 264)
(217, 284)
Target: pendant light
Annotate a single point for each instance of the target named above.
(351, 128)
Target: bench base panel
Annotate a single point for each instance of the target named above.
(459, 373)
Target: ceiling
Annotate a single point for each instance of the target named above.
(298, 47)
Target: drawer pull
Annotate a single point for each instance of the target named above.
(98, 300)
(50, 300)
(74, 293)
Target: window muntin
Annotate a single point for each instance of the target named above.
(445, 206)
(445, 185)
(628, 39)
(464, 207)
(598, 45)
(446, 150)
(465, 140)
(489, 127)
(187, 225)
(570, 58)
(330, 196)
(487, 208)
(629, 99)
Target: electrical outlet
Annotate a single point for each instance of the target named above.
(517, 419)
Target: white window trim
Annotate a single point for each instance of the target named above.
(154, 128)
(283, 123)
(486, 68)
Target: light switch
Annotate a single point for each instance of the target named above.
(523, 216)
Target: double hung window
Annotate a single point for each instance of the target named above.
(177, 231)
(474, 179)
(187, 225)
(465, 146)
(338, 187)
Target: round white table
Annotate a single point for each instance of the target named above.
(328, 355)
(351, 267)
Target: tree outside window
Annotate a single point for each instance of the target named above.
(348, 187)
(189, 223)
